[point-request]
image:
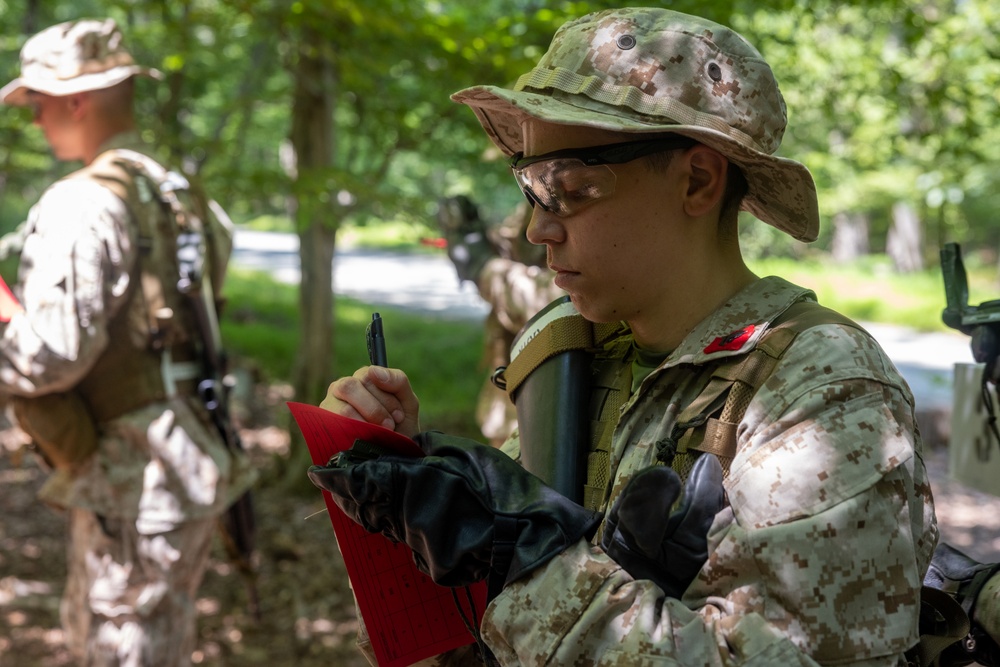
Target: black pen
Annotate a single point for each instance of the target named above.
(376, 342)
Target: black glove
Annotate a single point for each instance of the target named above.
(466, 510)
(963, 577)
(652, 542)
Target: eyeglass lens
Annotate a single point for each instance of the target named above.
(564, 186)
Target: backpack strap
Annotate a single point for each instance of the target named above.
(160, 358)
(562, 333)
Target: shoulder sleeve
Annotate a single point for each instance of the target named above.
(833, 520)
(73, 273)
(834, 404)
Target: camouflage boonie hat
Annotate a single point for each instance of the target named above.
(73, 57)
(647, 70)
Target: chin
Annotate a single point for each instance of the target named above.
(595, 312)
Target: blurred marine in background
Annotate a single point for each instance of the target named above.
(512, 278)
(104, 351)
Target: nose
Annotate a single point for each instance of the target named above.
(544, 228)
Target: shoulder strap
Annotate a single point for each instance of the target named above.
(160, 351)
(557, 328)
(110, 173)
(710, 422)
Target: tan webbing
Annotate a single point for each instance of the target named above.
(562, 335)
(129, 373)
(943, 622)
(611, 387)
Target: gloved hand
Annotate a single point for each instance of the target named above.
(973, 586)
(650, 538)
(466, 510)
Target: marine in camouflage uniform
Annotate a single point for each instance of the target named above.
(143, 508)
(512, 278)
(826, 526)
(820, 555)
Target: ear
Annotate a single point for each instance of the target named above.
(707, 179)
(77, 104)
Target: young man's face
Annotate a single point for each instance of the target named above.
(614, 254)
(55, 116)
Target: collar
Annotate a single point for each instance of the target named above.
(737, 326)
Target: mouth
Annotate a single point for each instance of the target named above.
(560, 269)
(564, 277)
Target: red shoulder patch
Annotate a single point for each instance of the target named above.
(732, 342)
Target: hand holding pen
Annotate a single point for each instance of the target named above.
(375, 393)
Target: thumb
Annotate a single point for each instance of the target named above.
(404, 406)
(704, 497)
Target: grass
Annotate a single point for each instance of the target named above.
(871, 291)
(442, 357)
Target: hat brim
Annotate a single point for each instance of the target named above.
(781, 191)
(15, 93)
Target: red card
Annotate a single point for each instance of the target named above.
(407, 615)
(8, 302)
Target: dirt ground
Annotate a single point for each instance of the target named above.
(307, 609)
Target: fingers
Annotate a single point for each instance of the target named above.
(646, 504)
(376, 395)
(704, 496)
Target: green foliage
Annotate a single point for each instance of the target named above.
(891, 101)
(871, 291)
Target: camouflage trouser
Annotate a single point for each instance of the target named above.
(129, 598)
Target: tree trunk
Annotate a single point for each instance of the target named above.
(312, 145)
(904, 244)
(850, 236)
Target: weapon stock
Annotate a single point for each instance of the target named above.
(239, 532)
(981, 322)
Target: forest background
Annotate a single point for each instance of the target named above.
(323, 117)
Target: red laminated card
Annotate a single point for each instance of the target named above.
(8, 302)
(407, 615)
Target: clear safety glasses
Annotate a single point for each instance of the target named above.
(563, 182)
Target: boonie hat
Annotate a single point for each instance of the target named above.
(649, 70)
(73, 57)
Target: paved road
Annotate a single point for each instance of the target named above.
(421, 282)
(427, 283)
